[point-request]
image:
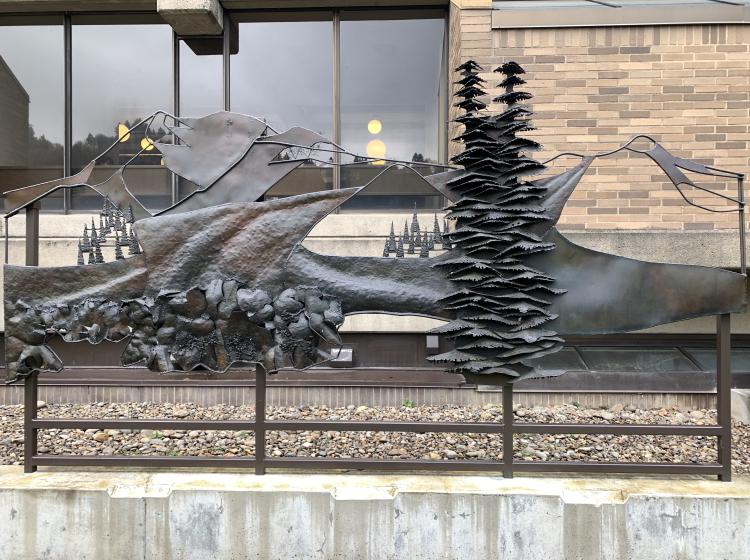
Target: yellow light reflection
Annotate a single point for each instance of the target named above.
(374, 126)
(122, 132)
(376, 149)
(146, 144)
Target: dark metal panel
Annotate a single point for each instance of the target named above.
(399, 286)
(17, 199)
(621, 294)
(117, 279)
(248, 242)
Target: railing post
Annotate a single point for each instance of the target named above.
(32, 235)
(260, 419)
(508, 430)
(724, 393)
(30, 392)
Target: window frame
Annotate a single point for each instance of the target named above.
(232, 18)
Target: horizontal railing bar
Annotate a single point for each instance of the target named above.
(141, 424)
(490, 466)
(374, 426)
(394, 426)
(625, 468)
(618, 429)
(140, 461)
(380, 464)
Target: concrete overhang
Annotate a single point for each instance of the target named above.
(549, 13)
(192, 17)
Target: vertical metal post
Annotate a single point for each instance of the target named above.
(32, 235)
(7, 224)
(68, 107)
(30, 386)
(175, 104)
(508, 430)
(741, 212)
(724, 393)
(336, 97)
(226, 52)
(444, 99)
(260, 419)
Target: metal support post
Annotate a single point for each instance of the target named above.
(508, 430)
(30, 393)
(32, 235)
(723, 394)
(260, 419)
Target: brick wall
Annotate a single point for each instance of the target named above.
(687, 86)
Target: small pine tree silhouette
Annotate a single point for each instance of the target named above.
(392, 240)
(400, 247)
(414, 222)
(500, 302)
(118, 248)
(133, 248)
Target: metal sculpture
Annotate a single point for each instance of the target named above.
(222, 278)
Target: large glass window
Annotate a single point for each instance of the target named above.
(372, 81)
(32, 106)
(121, 75)
(283, 73)
(391, 96)
(200, 87)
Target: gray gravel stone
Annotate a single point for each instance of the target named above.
(373, 444)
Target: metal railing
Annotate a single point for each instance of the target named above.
(509, 428)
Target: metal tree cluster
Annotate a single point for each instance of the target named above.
(112, 219)
(501, 303)
(414, 240)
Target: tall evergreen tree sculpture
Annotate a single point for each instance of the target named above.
(501, 303)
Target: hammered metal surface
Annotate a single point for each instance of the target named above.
(248, 179)
(620, 295)
(249, 242)
(224, 279)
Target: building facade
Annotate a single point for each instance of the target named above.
(377, 80)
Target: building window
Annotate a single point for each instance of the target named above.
(283, 73)
(372, 81)
(122, 73)
(32, 107)
(392, 72)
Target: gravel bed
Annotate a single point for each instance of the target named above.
(373, 444)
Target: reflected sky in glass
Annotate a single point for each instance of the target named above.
(200, 83)
(34, 56)
(120, 72)
(390, 73)
(283, 73)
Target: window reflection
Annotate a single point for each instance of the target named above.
(283, 73)
(200, 91)
(121, 75)
(31, 108)
(390, 106)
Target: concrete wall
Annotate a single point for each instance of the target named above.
(160, 516)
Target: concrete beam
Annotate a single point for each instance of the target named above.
(192, 17)
(196, 515)
(22, 6)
